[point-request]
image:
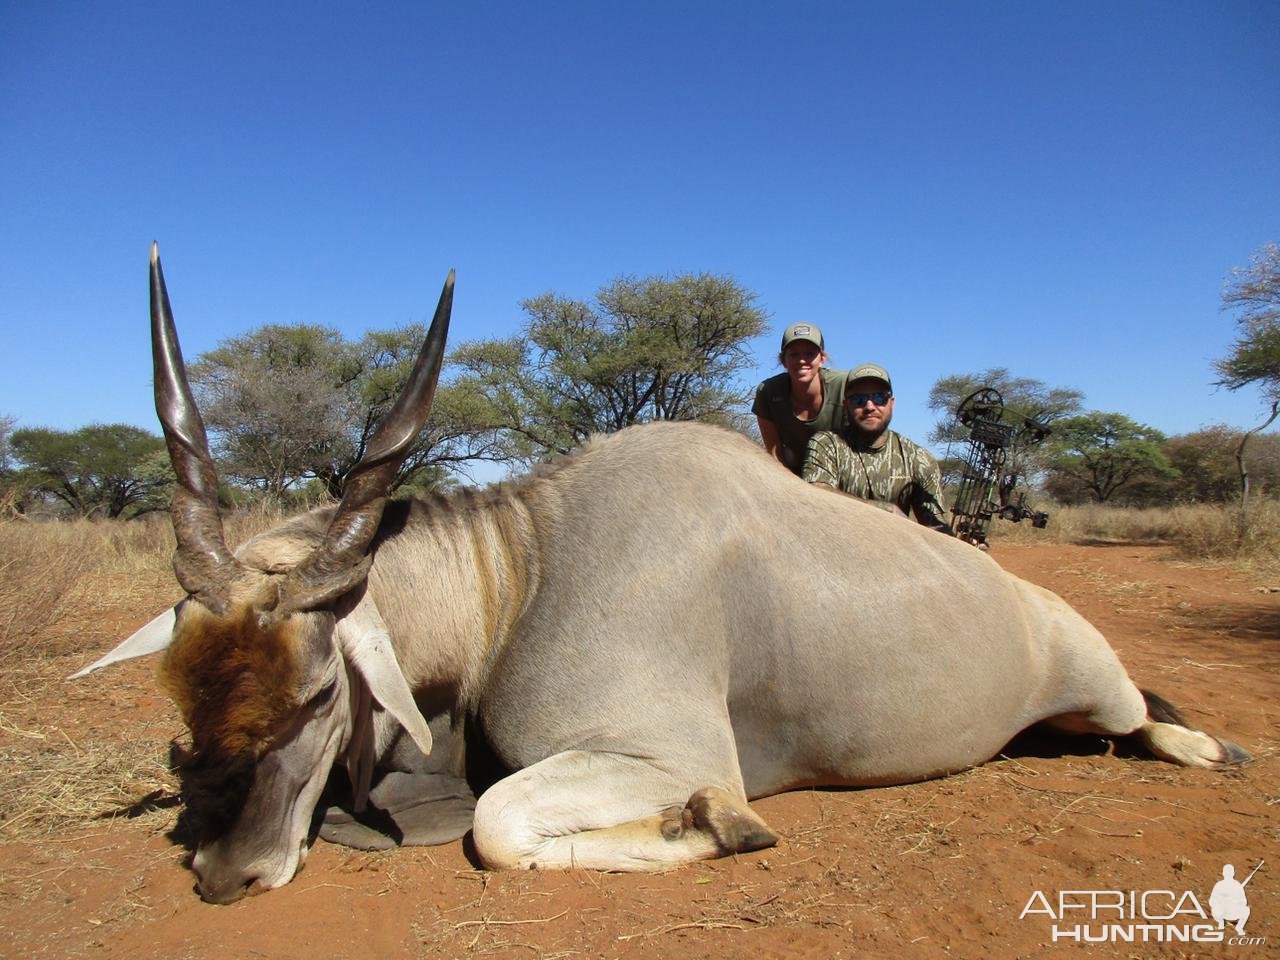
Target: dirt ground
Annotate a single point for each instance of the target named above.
(935, 869)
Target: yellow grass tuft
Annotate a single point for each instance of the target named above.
(57, 579)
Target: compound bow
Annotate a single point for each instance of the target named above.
(987, 479)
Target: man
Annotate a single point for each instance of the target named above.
(1228, 900)
(793, 406)
(872, 462)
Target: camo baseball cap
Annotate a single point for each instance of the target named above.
(802, 331)
(869, 371)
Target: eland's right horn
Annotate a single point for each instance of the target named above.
(203, 564)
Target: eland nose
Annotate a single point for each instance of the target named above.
(217, 883)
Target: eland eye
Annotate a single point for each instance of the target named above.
(323, 695)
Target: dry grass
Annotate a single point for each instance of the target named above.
(61, 783)
(69, 590)
(57, 579)
(1203, 532)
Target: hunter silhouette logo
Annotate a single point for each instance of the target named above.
(1148, 916)
(1228, 900)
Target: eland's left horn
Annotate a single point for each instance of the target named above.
(339, 562)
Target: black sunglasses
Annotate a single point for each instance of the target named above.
(879, 398)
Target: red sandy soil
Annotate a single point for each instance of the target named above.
(934, 869)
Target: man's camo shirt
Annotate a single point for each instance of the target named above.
(898, 473)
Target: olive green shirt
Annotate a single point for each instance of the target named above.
(773, 403)
(898, 473)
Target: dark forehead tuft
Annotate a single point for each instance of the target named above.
(235, 682)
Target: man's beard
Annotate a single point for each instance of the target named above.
(866, 436)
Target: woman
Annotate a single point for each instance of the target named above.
(791, 407)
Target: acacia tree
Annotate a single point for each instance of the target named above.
(458, 431)
(1097, 454)
(102, 470)
(650, 348)
(1208, 469)
(1253, 294)
(288, 403)
(275, 401)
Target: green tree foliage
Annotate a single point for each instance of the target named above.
(1207, 468)
(287, 403)
(274, 401)
(102, 470)
(457, 432)
(647, 349)
(1096, 455)
(1024, 399)
(1253, 294)
(10, 492)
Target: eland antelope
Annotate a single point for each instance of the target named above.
(644, 636)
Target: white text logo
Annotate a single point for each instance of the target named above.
(1147, 916)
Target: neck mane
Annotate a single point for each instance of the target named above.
(451, 575)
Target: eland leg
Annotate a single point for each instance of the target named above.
(1157, 725)
(608, 811)
(1088, 691)
(1166, 734)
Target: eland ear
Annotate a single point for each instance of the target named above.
(152, 638)
(369, 653)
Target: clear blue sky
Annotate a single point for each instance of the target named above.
(1056, 188)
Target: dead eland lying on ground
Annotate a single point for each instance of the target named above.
(641, 638)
